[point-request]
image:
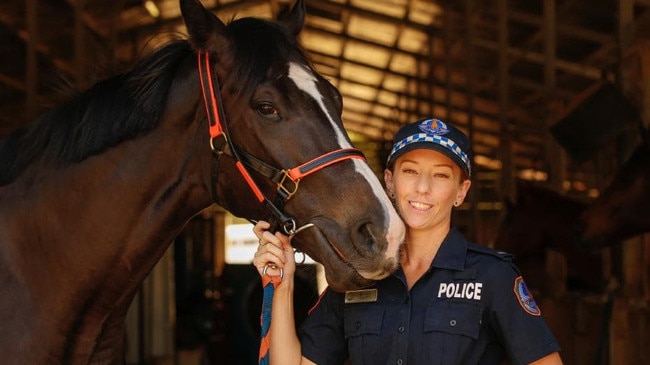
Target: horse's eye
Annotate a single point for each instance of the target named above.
(267, 110)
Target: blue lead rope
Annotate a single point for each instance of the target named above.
(269, 284)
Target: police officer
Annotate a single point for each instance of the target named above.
(449, 302)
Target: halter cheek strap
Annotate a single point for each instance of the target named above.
(287, 180)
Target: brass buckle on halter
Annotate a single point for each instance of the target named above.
(287, 192)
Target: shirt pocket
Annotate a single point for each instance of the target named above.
(362, 326)
(451, 331)
(456, 318)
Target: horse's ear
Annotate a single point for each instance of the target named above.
(207, 32)
(293, 19)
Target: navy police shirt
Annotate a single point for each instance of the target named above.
(470, 307)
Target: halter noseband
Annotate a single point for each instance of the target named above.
(287, 180)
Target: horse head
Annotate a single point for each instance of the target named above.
(284, 152)
(623, 209)
(540, 220)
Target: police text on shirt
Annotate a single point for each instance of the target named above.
(460, 290)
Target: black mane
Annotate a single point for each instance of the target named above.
(110, 112)
(127, 105)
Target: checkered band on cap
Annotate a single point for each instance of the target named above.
(439, 140)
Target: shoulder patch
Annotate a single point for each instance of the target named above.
(525, 297)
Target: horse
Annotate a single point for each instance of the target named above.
(622, 210)
(539, 220)
(93, 191)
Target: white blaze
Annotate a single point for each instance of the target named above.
(305, 80)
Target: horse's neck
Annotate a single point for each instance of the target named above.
(108, 210)
(81, 239)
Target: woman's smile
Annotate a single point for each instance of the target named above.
(419, 205)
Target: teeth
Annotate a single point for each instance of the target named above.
(420, 206)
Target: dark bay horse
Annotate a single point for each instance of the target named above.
(93, 192)
(623, 209)
(541, 219)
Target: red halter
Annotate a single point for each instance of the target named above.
(287, 180)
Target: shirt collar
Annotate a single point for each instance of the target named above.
(452, 251)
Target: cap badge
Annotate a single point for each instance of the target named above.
(434, 126)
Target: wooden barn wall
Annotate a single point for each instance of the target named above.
(612, 328)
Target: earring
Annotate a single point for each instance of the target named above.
(391, 195)
(456, 204)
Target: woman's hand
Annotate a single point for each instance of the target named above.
(275, 251)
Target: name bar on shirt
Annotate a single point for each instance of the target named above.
(361, 296)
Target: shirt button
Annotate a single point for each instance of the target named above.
(452, 322)
(357, 324)
(401, 329)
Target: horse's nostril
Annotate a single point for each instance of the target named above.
(371, 246)
(364, 240)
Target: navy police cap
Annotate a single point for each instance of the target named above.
(436, 135)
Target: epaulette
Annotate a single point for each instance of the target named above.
(490, 251)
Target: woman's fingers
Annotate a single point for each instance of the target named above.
(265, 236)
(268, 251)
(260, 227)
(267, 263)
(274, 251)
(269, 256)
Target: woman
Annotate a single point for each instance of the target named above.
(449, 302)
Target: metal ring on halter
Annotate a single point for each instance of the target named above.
(272, 266)
(304, 256)
(289, 227)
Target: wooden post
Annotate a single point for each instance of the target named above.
(160, 307)
(619, 334)
(448, 34)
(219, 241)
(507, 184)
(475, 192)
(430, 86)
(555, 157)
